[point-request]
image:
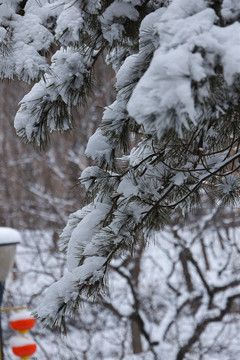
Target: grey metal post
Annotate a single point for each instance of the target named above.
(9, 238)
(2, 284)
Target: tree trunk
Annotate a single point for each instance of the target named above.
(136, 338)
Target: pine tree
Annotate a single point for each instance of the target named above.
(171, 134)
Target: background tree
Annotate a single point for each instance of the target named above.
(179, 297)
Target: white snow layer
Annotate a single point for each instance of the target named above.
(20, 315)
(9, 235)
(18, 341)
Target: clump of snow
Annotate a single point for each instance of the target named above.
(230, 9)
(66, 289)
(3, 33)
(6, 12)
(127, 188)
(50, 100)
(82, 234)
(98, 148)
(111, 28)
(163, 98)
(38, 38)
(69, 25)
(179, 178)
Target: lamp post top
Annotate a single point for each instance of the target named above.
(9, 236)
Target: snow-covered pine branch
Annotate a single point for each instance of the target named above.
(172, 132)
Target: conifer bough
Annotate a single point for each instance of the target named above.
(175, 120)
